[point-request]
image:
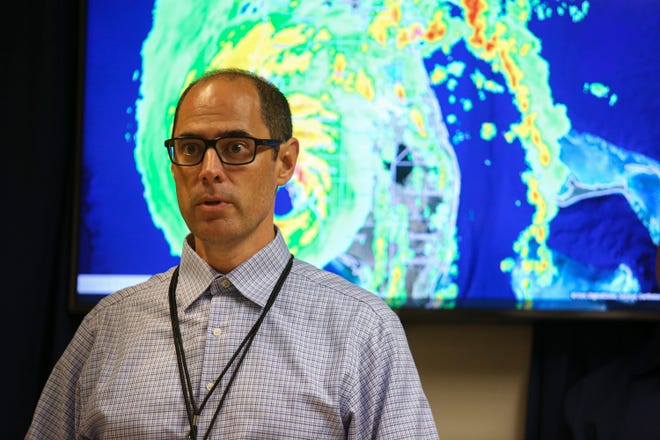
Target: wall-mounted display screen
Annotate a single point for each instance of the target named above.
(491, 155)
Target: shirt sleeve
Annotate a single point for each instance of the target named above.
(386, 396)
(56, 415)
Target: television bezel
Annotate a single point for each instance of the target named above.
(79, 305)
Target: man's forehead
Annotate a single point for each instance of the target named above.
(220, 104)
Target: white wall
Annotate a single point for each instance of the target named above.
(475, 377)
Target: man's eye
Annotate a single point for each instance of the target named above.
(190, 149)
(236, 147)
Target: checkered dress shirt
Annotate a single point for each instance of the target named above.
(331, 360)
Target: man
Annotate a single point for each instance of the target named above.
(241, 340)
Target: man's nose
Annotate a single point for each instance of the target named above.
(213, 169)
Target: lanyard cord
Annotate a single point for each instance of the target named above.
(186, 385)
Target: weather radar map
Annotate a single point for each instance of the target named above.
(454, 154)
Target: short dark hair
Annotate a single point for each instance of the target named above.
(275, 110)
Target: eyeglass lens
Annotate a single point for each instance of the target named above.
(190, 151)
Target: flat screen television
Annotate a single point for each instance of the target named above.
(489, 157)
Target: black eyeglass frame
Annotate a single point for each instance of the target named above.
(211, 143)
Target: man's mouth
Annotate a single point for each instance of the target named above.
(212, 201)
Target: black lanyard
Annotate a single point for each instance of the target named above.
(192, 410)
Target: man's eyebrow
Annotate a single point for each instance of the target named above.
(230, 133)
(235, 133)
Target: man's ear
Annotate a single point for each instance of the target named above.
(286, 160)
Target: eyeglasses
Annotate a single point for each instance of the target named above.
(190, 150)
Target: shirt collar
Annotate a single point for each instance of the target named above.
(255, 278)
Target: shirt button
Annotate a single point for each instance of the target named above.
(217, 331)
(225, 283)
(209, 386)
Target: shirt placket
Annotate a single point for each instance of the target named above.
(217, 350)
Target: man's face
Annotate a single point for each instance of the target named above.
(229, 208)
